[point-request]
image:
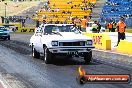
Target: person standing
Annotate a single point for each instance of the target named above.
(43, 23)
(114, 27)
(99, 27)
(57, 21)
(23, 22)
(44, 17)
(78, 23)
(2, 19)
(37, 23)
(84, 24)
(121, 27)
(110, 26)
(95, 27)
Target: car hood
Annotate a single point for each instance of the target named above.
(67, 36)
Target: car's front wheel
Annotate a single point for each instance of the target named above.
(35, 54)
(5, 38)
(47, 55)
(88, 57)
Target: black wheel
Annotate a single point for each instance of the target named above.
(5, 38)
(8, 37)
(35, 54)
(88, 57)
(47, 55)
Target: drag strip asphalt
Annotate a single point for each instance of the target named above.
(20, 70)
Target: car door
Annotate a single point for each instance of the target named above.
(37, 39)
(40, 40)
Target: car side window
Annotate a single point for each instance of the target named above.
(48, 30)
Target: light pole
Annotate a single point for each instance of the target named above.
(5, 12)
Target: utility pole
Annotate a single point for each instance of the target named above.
(5, 11)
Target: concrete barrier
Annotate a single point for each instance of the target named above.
(26, 29)
(100, 40)
(125, 46)
(19, 28)
(18, 25)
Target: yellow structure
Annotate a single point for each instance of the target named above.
(73, 6)
(26, 29)
(100, 40)
(12, 24)
(125, 46)
(20, 28)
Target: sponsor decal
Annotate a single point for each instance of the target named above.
(97, 40)
(84, 77)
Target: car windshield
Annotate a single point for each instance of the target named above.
(3, 29)
(49, 29)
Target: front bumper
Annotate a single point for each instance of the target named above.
(3, 36)
(70, 50)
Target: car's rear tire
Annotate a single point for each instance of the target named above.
(35, 54)
(47, 56)
(88, 57)
(8, 38)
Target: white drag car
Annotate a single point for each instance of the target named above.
(60, 39)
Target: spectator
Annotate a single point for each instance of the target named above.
(57, 22)
(68, 12)
(23, 22)
(91, 9)
(121, 27)
(70, 2)
(110, 26)
(78, 23)
(63, 12)
(99, 27)
(48, 2)
(53, 5)
(84, 24)
(71, 7)
(27, 16)
(42, 25)
(2, 19)
(7, 20)
(90, 16)
(40, 10)
(73, 19)
(37, 23)
(94, 27)
(114, 27)
(65, 22)
(44, 16)
(84, 1)
(58, 10)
